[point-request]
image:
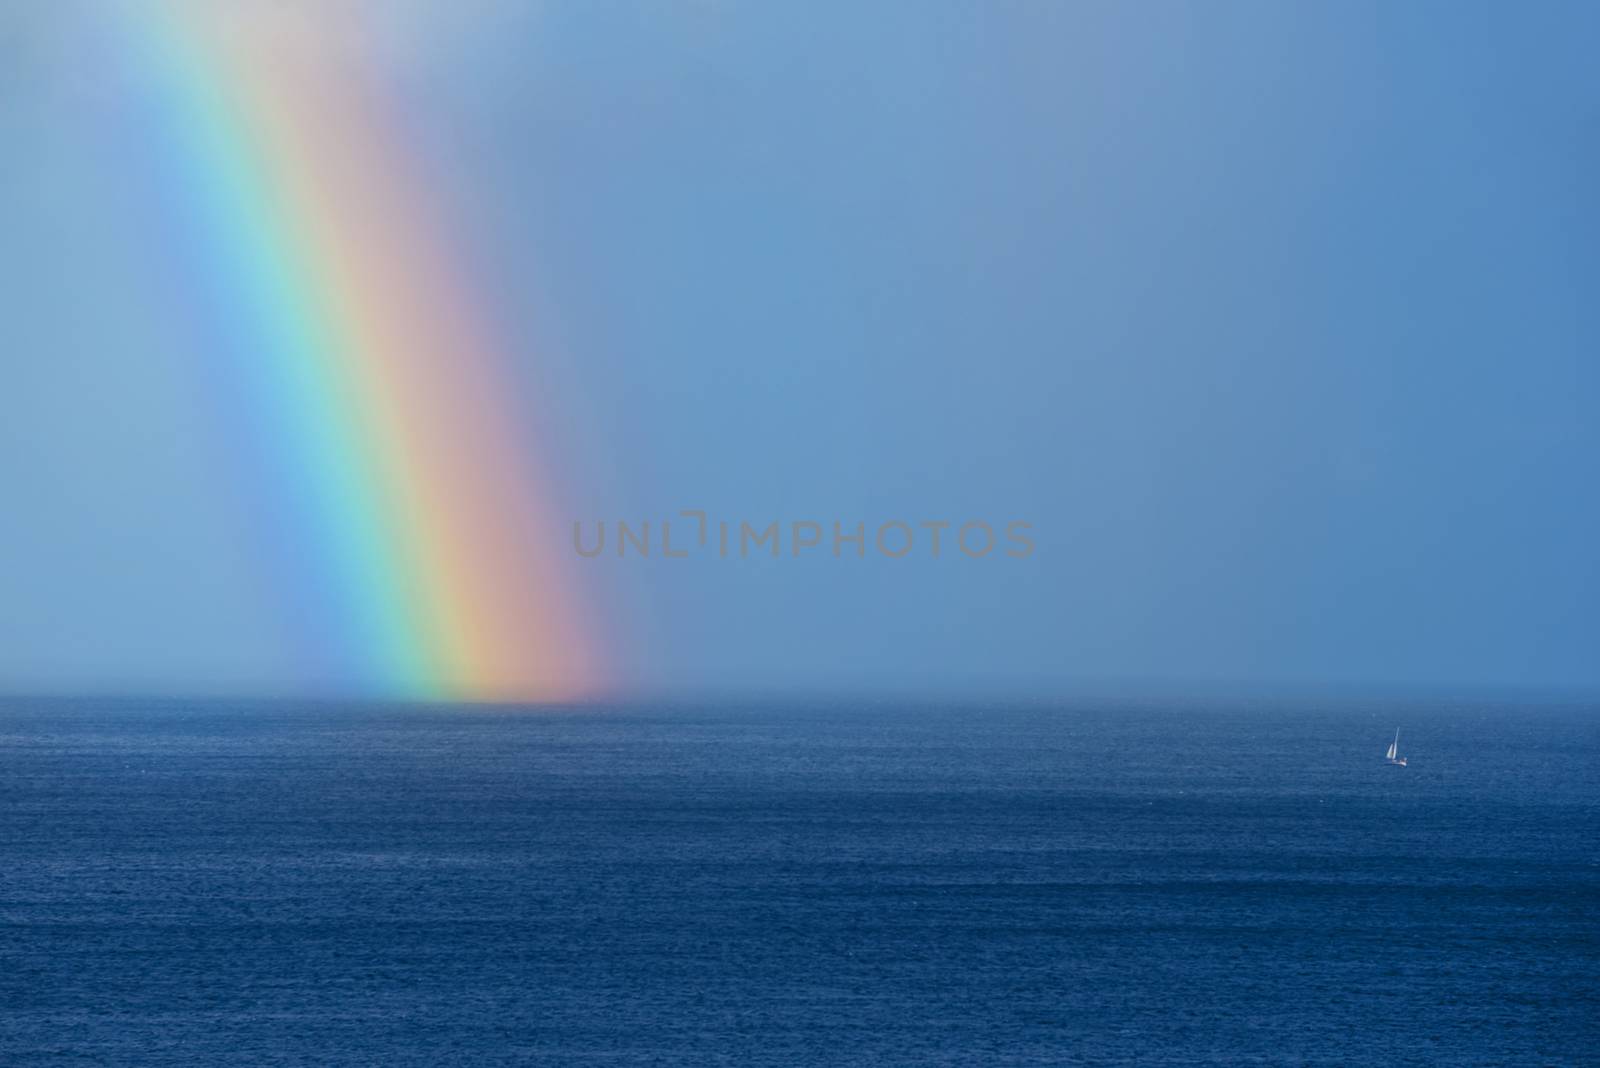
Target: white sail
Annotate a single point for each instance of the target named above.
(1394, 746)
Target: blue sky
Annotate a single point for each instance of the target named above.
(1277, 322)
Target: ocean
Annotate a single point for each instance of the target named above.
(1129, 883)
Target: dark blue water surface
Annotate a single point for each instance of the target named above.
(249, 884)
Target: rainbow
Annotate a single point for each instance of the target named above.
(381, 399)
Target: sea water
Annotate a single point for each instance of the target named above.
(192, 883)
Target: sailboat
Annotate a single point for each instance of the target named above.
(1393, 755)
